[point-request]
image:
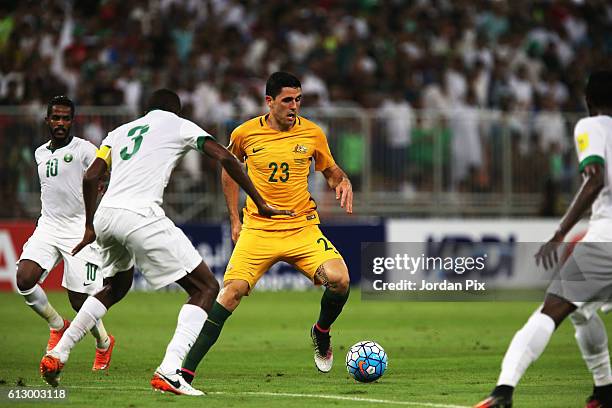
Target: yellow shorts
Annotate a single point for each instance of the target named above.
(257, 250)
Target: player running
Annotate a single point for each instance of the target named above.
(131, 228)
(584, 280)
(61, 164)
(278, 149)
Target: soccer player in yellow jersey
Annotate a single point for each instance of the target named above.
(278, 149)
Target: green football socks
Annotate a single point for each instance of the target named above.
(331, 306)
(207, 337)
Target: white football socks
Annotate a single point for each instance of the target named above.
(37, 299)
(101, 336)
(526, 346)
(593, 342)
(191, 318)
(91, 312)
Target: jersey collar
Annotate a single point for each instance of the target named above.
(59, 148)
(263, 121)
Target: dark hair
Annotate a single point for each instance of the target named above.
(598, 90)
(62, 101)
(280, 80)
(164, 99)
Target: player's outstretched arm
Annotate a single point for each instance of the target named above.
(593, 175)
(231, 192)
(339, 181)
(92, 177)
(233, 167)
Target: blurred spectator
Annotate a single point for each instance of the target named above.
(93, 131)
(466, 146)
(521, 88)
(351, 149)
(396, 114)
(429, 148)
(131, 87)
(549, 126)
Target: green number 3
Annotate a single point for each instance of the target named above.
(136, 133)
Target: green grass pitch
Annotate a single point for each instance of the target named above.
(440, 354)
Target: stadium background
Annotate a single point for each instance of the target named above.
(453, 119)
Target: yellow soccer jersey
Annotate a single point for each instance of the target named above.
(278, 163)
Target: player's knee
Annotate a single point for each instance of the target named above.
(579, 318)
(232, 293)
(26, 278)
(557, 309)
(339, 281)
(212, 287)
(343, 283)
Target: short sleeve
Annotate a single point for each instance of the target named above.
(235, 144)
(590, 142)
(193, 135)
(322, 155)
(108, 140)
(88, 153)
(36, 156)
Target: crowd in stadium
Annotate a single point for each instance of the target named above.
(395, 56)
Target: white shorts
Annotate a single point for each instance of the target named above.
(81, 272)
(161, 251)
(586, 277)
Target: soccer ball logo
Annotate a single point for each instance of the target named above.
(366, 361)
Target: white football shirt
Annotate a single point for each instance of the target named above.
(60, 172)
(143, 154)
(593, 137)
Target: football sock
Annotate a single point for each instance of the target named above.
(505, 391)
(526, 346)
(90, 313)
(331, 306)
(101, 336)
(207, 337)
(593, 342)
(190, 321)
(36, 298)
(603, 393)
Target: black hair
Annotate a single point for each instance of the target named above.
(598, 90)
(62, 101)
(164, 99)
(279, 80)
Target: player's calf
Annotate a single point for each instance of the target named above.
(334, 275)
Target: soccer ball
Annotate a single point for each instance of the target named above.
(366, 361)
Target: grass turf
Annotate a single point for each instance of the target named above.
(439, 353)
